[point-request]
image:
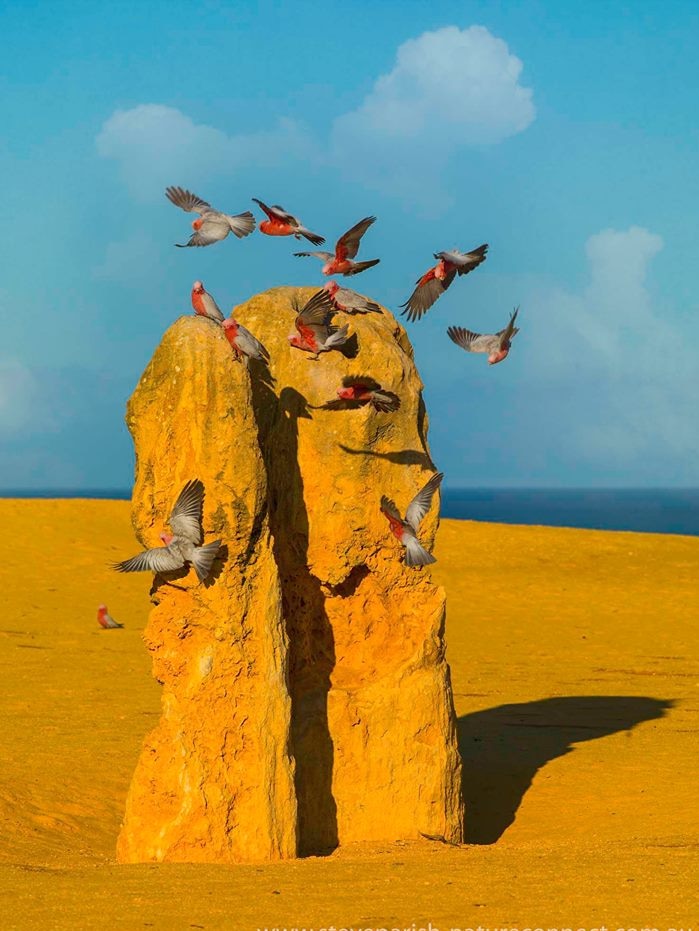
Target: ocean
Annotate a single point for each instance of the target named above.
(643, 510)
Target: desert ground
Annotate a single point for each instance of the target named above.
(576, 679)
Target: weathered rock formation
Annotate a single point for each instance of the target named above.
(215, 779)
(368, 716)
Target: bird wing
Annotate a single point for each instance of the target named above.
(159, 559)
(318, 310)
(185, 519)
(323, 256)
(388, 507)
(385, 401)
(465, 262)
(358, 267)
(184, 199)
(510, 330)
(250, 344)
(361, 381)
(275, 212)
(420, 504)
(353, 301)
(199, 238)
(473, 342)
(348, 244)
(427, 291)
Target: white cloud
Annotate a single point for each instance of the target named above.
(155, 145)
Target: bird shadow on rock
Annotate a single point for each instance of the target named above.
(350, 349)
(311, 642)
(399, 457)
(260, 373)
(503, 748)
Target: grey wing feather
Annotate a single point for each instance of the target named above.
(473, 342)
(160, 559)
(420, 504)
(504, 336)
(318, 310)
(465, 261)
(197, 239)
(185, 519)
(324, 256)
(186, 200)
(250, 345)
(424, 296)
(390, 508)
(349, 241)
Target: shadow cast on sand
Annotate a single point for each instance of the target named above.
(502, 749)
(311, 642)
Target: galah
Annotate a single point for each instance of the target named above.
(497, 345)
(436, 281)
(345, 250)
(183, 545)
(359, 391)
(281, 223)
(204, 305)
(243, 343)
(105, 619)
(349, 301)
(405, 530)
(212, 225)
(313, 323)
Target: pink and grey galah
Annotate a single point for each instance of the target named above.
(359, 391)
(183, 545)
(244, 345)
(105, 619)
(348, 301)
(405, 529)
(315, 333)
(497, 345)
(204, 305)
(212, 225)
(281, 223)
(436, 280)
(346, 249)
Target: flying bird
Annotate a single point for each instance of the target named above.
(313, 323)
(281, 223)
(183, 545)
(212, 225)
(345, 250)
(349, 301)
(105, 619)
(436, 281)
(204, 305)
(497, 345)
(358, 391)
(405, 530)
(243, 343)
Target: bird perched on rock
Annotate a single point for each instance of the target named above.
(212, 225)
(405, 530)
(313, 323)
(183, 545)
(281, 223)
(497, 345)
(204, 305)
(243, 343)
(105, 619)
(348, 301)
(436, 281)
(346, 249)
(358, 391)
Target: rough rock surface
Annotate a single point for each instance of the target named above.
(373, 729)
(215, 779)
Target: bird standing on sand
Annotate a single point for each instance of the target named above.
(105, 619)
(497, 345)
(281, 223)
(212, 225)
(436, 281)
(244, 345)
(358, 391)
(348, 301)
(405, 530)
(345, 250)
(313, 323)
(183, 545)
(204, 305)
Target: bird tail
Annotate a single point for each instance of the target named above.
(385, 401)
(362, 266)
(415, 553)
(338, 338)
(311, 237)
(242, 224)
(203, 559)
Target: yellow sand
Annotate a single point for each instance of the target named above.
(582, 794)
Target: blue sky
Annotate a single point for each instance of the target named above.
(564, 134)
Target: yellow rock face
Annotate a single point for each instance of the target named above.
(215, 779)
(373, 732)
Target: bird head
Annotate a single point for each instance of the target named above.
(496, 357)
(167, 538)
(102, 609)
(198, 288)
(332, 287)
(346, 394)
